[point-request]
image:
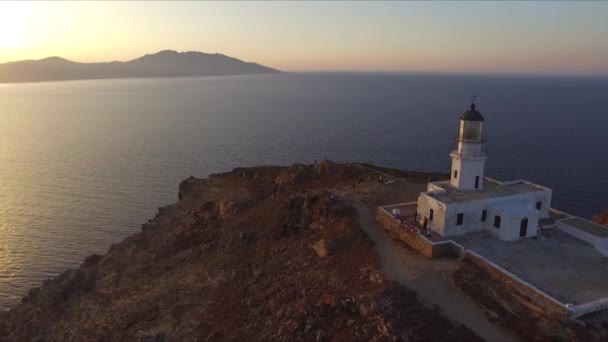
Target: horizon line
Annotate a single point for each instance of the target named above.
(454, 73)
(588, 74)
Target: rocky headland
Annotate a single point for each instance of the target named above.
(264, 253)
(280, 254)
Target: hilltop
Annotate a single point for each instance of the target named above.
(263, 253)
(166, 63)
(276, 253)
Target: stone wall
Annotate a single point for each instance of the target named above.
(429, 249)
(447, 248)
(589, 307)
(390, 224)
(416, 241)
(600, 244)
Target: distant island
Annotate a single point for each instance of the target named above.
(167, 63)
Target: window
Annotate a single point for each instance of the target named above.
(459, 219)
(496, 221)
(431, 212)
(539, 205)
(455, 173)
(484, 215)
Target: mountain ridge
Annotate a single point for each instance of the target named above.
(165, 63)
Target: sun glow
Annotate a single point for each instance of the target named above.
(391, 36)
(15, 24)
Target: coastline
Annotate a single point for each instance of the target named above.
(290, 274)
(268, 252)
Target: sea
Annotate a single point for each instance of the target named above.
(84, 163)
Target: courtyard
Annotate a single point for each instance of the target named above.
(564, 267)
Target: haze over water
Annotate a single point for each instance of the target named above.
(84, 163)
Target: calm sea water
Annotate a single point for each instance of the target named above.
(84, 163)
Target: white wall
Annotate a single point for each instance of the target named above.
(425, 204)
(468, 148)
(471, 210)
(490, 223)
(544, 195)
(445, 215)
(436, 186)
(468, 168)
(511, 224)
(600, 244)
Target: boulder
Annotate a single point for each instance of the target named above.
(227, 208)
(601, 218)
(322, 247)
(375, 278)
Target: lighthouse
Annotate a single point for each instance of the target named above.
(469, 159)
(471, 202)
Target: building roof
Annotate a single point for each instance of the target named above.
(489, 190)
(472, 114)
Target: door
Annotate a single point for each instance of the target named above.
(523, 228)
(477, 182)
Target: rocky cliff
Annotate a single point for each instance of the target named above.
(601, 218)
(265, 253)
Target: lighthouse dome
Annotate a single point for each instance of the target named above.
(472, 114)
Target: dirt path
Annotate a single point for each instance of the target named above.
(421, 275)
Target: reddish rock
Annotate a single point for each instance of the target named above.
(232, 260)
(322, 248)
(601, 218)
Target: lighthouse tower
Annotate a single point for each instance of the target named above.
(468, 161)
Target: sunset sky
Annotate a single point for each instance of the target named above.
(495, 37)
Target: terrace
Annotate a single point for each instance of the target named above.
(566, 268)
(491, 189)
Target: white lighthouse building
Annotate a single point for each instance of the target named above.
(470, 202)
(469, 160)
